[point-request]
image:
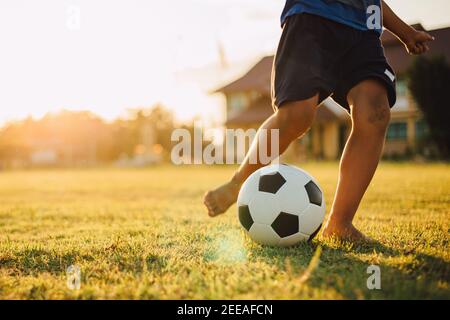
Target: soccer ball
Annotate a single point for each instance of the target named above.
(281, 205)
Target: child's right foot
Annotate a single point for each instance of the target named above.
(218, 201)
(346, 233)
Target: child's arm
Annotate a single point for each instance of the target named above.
(414, 41)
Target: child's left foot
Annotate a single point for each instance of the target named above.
(347, 233)
(218, 201)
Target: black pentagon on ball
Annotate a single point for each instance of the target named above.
(285, 224)
(245, 217)
(314, 193)
(271, 183)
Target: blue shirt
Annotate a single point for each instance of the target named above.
(354, 13)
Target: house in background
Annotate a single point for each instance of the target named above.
(248, 105)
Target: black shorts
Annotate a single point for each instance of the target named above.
(317, 55)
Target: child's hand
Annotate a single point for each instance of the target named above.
(416, 42)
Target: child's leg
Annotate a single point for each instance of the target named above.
(292, 120)
(370, 114)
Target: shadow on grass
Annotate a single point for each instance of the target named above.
(343, 267)
(32, 261)
(405, 274)
(36, 260)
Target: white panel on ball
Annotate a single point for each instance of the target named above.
(248, 189)
(265, 207)
(296, 174)
(294, 239)
(292, 197)
(273, 168)
(264, 234)
(312, 218)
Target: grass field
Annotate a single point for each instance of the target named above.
(143, 234)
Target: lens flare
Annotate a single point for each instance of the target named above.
(228, 248)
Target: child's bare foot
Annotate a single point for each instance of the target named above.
(218, 201)
(345, 232)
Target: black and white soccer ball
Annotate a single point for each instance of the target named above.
(281, 205)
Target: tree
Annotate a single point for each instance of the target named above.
(429, 83)
(81, 137)
(161, 119)
(164, 125)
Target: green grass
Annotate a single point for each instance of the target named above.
(143, 234)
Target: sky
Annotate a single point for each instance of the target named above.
(108, 56)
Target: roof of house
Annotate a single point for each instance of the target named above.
(400, 60)
(257, 112)
(258, 77)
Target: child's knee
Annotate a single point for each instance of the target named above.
(296, 117)
(370, 107)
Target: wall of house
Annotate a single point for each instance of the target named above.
(236, 102)
(405, 129)
(326, 140)
(331, 140)
(316, 141)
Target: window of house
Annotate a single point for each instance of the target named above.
(421, 129)
(397, 131)
(238, 102)
(402, 102)
(402, 88)
(254, 95)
